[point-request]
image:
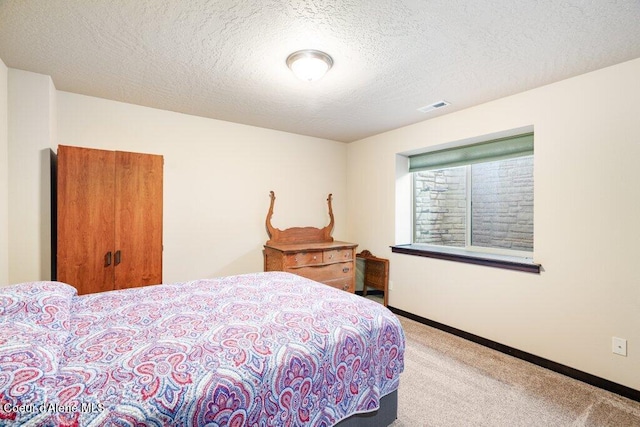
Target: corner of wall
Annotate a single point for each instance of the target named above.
(403, 201)
(31, 124)
(4, 176)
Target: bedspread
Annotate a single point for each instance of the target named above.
(264, 349)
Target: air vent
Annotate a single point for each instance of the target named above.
(434, 106)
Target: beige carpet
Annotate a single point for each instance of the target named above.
(449, 381)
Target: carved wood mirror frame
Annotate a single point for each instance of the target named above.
(299, 234)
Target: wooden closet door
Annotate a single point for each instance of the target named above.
(138, 219)
(86, 207)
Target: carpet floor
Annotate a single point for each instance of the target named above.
(450, 381)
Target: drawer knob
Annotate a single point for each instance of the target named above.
(314, 257)
(330, 256)
(345, 270)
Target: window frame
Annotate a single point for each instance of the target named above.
(494, 257)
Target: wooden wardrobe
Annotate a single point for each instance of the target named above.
(109, 219)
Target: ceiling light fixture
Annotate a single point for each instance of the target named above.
(309, 64)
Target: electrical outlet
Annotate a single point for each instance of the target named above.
(390, 285)
(619, 346)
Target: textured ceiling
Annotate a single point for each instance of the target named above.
(226, 59)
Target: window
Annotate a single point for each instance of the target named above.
(475, 199)
(498, 195)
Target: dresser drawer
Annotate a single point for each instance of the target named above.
(331, 263)
(337, 255)
(303, 258)
(323, 273)
(342, 284)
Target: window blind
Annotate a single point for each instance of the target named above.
(489, 151)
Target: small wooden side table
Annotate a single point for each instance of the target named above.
(376, 274)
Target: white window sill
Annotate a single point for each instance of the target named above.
(470, 257)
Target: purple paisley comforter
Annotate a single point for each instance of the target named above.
(264, 349)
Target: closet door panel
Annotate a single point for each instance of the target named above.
(138, 219)
(85, 215)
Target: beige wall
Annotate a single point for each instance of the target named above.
(217, 180)
(31, 106)
(4, 177)
(218, 175)
(587, 143)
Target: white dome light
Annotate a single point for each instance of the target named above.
(309, 65)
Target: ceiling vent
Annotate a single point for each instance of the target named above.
(434, 106)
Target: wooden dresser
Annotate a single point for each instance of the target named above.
(311, 252)
(332, 263)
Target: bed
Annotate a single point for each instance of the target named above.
(263, 349)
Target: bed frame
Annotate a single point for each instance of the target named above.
(383, 417)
